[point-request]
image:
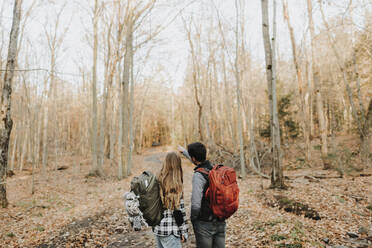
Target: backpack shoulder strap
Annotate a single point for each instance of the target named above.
(204, 172)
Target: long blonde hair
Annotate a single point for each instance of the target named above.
(171, 181)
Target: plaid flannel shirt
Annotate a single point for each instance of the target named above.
(168, 225)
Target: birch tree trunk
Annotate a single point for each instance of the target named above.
(6, 122)
(277, 179)
(316, 83)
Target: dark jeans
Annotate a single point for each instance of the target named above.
(209, 234)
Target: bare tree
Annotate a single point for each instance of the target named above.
(6, 122)
(108, 67)
(54, 43)
(96, 167)
(125, 89)
(305, 118)
(341, 67)
(195, 78)
(277, 179)
(238, 93)
(316, 83)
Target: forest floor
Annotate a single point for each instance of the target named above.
(69, 209)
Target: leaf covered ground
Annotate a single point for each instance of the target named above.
(69, 209)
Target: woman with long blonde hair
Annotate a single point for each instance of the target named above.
(173, 228)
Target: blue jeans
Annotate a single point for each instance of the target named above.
(170, 241)
(209, 234)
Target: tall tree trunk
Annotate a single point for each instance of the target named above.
(316, 83)
(45, 137)
(195, 77)
(228, 107)
(6, 122)
(238, 93)
(120, 136)
(113, 125)
(96, 168)
(38, 136)
(102, 136)
(309, 96)
(14, 150)
(200, 107)
(102, 133)
(124, 98)
(305, 118)
(131, 101)
(277, 179)
(46, 114)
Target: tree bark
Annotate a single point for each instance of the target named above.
(108, 67)
(14, 150)
(195, 77)
(124, 98)
(131, 102)
(6, 121)
(24, 148)
(228, 107)
(277, 179)
(238, 93)
(305, 118)
(120, 136)
(96, 168)
(316, 83)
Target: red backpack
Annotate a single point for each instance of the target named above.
(223, 190)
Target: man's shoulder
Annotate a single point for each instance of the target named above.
(198, 177)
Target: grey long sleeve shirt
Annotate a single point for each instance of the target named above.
(198, 183)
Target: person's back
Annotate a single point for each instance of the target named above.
(173, 227)
(208, 229)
